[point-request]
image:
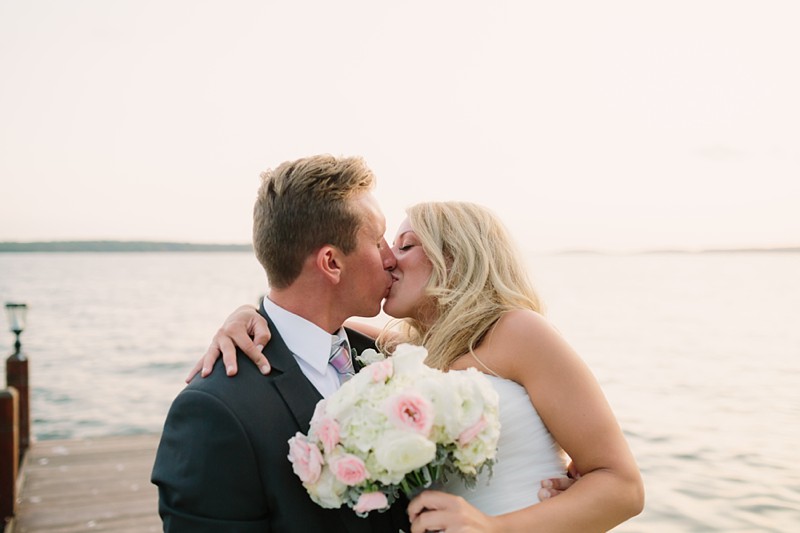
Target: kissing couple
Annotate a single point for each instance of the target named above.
(459, 288)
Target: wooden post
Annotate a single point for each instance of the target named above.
(17, 377)
(9, 453)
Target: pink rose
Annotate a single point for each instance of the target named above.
(349, 469)
(327, 430)
(410, 411)
(381, 371)
(306, 459)
(471, 432)
(371, 501)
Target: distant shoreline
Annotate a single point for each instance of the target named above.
(150, 246)
(784, 249)
(119, 246)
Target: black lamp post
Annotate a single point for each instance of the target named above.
(16, 319)
(17, 372)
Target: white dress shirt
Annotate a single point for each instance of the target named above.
(310, 345)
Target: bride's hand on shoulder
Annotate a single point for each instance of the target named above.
(438, 511)
(244, 328)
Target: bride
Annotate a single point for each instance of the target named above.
(462, 292)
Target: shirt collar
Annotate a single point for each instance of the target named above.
(304, 339)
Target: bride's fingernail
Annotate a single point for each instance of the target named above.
(260, 347)
(548, 484)
(265, 369)
(204, 371)
(229, 370)
(544, 494)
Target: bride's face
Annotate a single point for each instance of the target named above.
(407, 298)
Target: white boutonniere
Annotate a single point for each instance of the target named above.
(368, 356)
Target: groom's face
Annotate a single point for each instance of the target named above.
(366, 279)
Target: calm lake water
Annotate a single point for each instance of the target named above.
(699, 355)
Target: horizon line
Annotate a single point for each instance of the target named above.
(114, 245)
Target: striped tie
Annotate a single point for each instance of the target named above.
(340, 359)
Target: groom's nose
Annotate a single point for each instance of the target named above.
(389, 260)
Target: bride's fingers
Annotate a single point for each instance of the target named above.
(193, 372)
(252, 347)
(429, 521)
(426, 502)
(219, 346)
(439, 511)
(228, 349)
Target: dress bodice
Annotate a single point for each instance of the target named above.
(526, 454)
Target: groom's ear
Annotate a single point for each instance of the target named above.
(329, 263)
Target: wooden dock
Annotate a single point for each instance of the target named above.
(100, 484)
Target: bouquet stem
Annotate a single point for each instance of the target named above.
(419, 480)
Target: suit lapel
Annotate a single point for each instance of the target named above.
(300, 395)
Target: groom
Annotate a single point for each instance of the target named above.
(222, 462)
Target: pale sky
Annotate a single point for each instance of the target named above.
(605, 125)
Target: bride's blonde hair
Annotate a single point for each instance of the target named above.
(477, 276)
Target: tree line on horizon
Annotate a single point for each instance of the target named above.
(120, 246)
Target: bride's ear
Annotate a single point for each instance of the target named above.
(329, 263)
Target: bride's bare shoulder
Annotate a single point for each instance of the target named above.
(519, 339)
(521, 325)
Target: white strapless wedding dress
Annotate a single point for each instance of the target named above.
(526, 454)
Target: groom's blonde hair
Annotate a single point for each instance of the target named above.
(303, 205)
(477, 276)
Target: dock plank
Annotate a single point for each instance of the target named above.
(89, 485)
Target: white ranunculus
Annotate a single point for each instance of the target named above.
(477, 396)
(327, 492)
(409, 359)
(402, 452)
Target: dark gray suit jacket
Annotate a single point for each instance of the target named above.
(222, 462)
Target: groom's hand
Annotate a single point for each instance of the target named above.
(555, 486)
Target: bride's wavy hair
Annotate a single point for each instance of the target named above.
(477, 276)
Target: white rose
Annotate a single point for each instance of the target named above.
(401, 452)
(409, 359)
(327, 492)
(481, 383)
(478, 397)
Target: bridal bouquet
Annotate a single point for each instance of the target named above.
(398, 425)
